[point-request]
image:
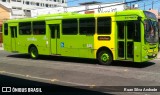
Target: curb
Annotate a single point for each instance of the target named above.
(1, 46)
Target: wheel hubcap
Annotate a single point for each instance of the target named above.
(33, 53)
(105, 57)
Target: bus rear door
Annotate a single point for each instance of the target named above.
(54, 30)
(13, 31)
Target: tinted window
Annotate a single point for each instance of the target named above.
(121, 29)
(25, 28)
(39, 28)
(104, 25)
(70, 27)
(137, 35)
(87, 26)
(13, 31)
(6, 29)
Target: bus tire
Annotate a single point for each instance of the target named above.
(33, 52)
(105, 57)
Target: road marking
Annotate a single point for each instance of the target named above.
(53, 80)
(92, 86)
(73, 83)
(14, 74)
(46, 79)
(40, 78)
(2, 72)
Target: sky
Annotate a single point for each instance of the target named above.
(147, 3)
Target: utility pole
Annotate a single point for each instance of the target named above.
(144, 6)
(152, 4)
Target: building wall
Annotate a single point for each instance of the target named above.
(19, 7)
(4, 14)
(154, 11)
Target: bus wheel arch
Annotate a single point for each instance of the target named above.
(33, 51)
(104, 56)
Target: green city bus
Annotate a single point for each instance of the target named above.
(130, 35)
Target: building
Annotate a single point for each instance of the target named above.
(88, 7)
(4, 14)
(10, 9)
(20, 8)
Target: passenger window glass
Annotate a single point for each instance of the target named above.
(104, 25)
(25, 28)
(87, 26)
(6, 29)
(39, 28)
(70, 27)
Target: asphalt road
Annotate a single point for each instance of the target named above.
(75, 74)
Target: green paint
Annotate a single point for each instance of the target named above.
(33, 53)
(105, 57)
(79, 45)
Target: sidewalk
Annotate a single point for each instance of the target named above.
(158, 55)
(1, 46)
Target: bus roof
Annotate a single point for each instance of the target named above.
(78, 15)
(130, 12)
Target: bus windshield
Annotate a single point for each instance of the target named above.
(151, 31)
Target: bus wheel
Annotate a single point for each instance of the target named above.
(105, 57)
(34, 52)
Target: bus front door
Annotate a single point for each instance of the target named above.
(55, 35)
(125, 40)
(13, 31)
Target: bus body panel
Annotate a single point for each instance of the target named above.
(6, 38)
(129, 46)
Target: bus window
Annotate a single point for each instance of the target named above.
(39, 28)
(104, 25)
(25, 28)
(13, 31)
(87, 26)
(6, 29)
(70, 27)
(121, 29)
(131, 29)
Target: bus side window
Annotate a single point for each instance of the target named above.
(137, 33)
(131, 28)
(104, 25)
(87, 26)
(39, 28)
(6, 29)
(121, 29)
(69, 27)
(25, 28)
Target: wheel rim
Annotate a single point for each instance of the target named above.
(105, 57)
(33, 53)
